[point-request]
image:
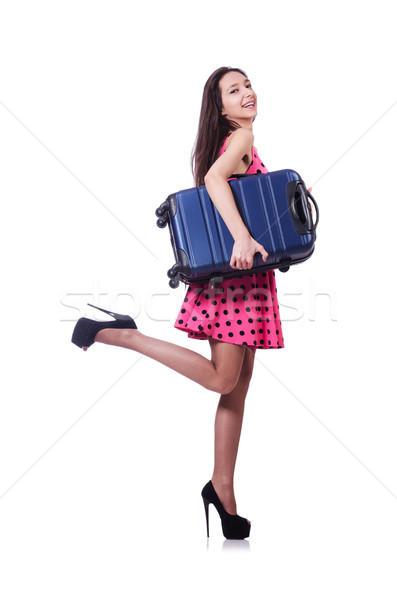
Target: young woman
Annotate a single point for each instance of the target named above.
(238, 316)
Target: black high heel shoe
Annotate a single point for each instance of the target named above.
(86, 329)
(234, 527)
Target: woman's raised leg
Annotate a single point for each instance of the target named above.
(220, 374)
(228, 423)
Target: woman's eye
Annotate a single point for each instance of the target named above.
(248, 85)
(235, 90)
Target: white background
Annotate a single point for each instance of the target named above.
(104, 453)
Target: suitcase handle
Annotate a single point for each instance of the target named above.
(299, 206)
(316, 207)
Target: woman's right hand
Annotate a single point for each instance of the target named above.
(244, 249)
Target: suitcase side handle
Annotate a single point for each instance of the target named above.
(316, 207)
(299, 206)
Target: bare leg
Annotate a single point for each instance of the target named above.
(220, 374)
(228, 423)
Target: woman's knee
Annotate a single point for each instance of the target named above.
(226, 384)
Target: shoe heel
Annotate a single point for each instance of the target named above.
(206, 503)
(234, 527)
(112, 314)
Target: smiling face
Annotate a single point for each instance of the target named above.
(238, 98)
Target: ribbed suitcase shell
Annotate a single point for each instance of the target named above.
(273, 206)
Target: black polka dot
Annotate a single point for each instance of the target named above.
(180, 321)
(217, 325)
(219, 335)
(242, 332)
(230, 334)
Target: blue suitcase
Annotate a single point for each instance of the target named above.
(275, 209)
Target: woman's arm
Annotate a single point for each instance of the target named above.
(245, 247)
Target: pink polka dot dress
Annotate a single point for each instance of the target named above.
(241, 310)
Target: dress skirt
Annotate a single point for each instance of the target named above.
(241, 310)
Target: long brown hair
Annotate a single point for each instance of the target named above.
(213, 126)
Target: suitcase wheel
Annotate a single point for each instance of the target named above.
(163, 208)
(172, 272)
(284, 269)
(162, 222)
(174, 282)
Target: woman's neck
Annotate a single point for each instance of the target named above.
(245, 123)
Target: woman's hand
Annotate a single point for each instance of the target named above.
(244, 249)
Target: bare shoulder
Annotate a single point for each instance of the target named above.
(241, 137)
